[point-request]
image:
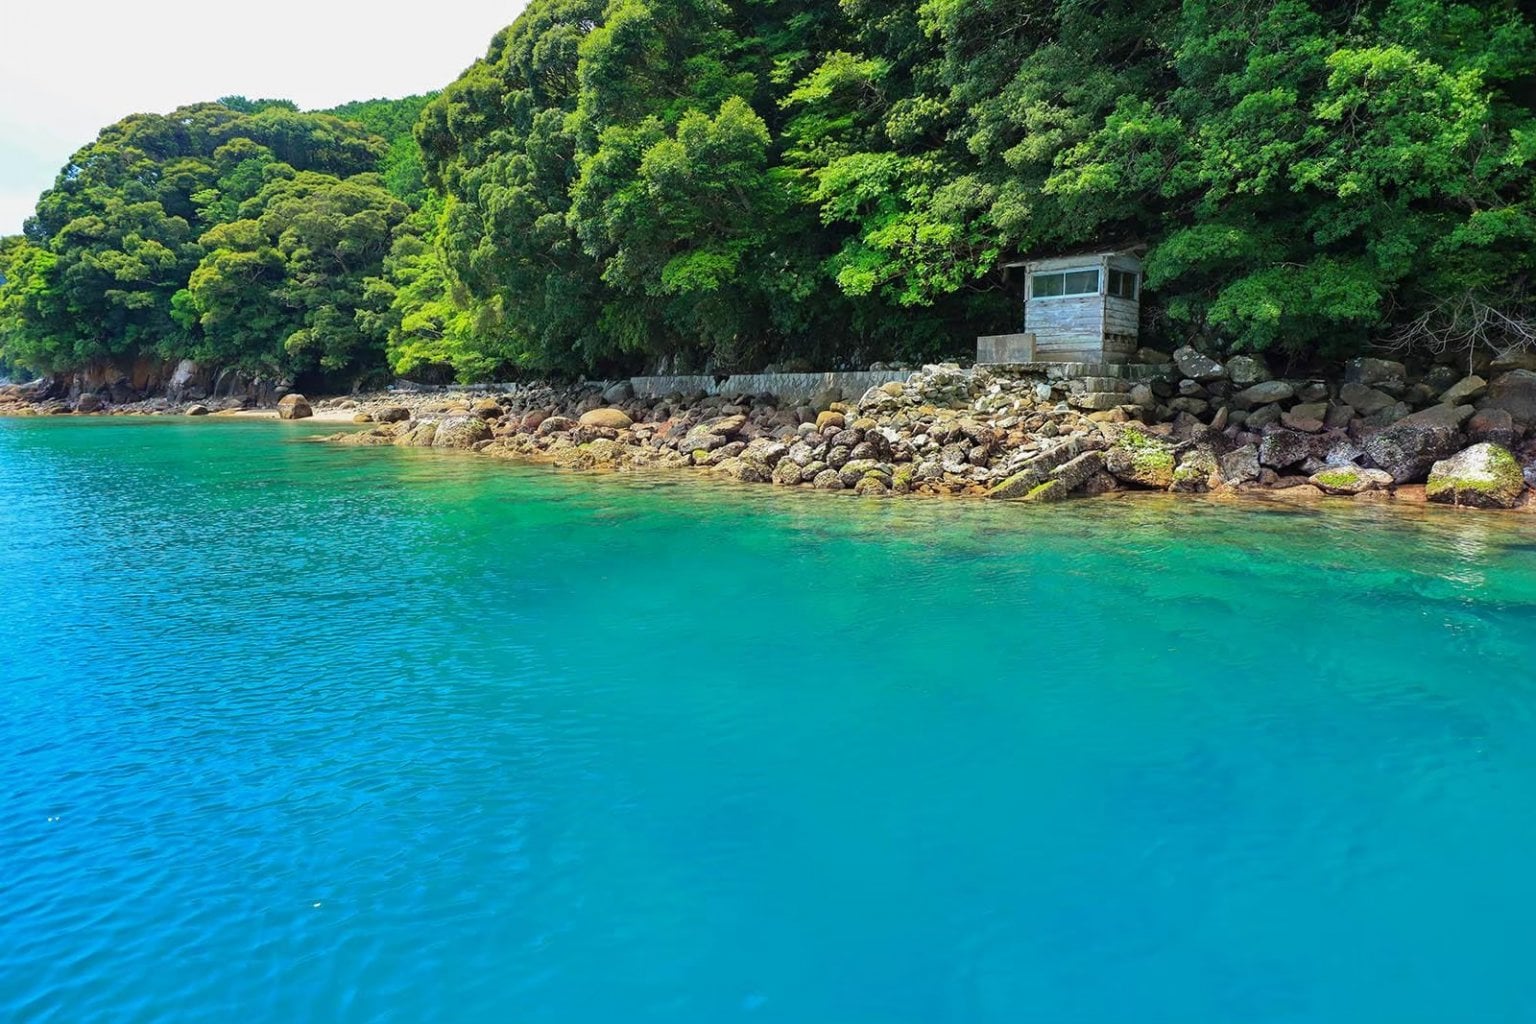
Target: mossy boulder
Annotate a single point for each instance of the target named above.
(1050, 491)
(1141, 461)
(1483, 476)
(787, 473)
(1194, 472)
(1349, 479)
(872, 485)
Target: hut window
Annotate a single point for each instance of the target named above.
(1122, 284)
(1061, 283)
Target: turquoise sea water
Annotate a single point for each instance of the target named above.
(291, 732)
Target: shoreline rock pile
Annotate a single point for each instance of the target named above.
(1181, 423)
(1196, 426)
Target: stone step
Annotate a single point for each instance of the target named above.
(1108, 385)
(1098, 401)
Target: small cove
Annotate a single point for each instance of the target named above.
(292, 731)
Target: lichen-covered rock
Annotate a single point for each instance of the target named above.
(461, 432)
(787, 473)
(608, 418)
(1034, 471)
(294, 407)
(746, 471)
(1483, 476)
(1051, 490)
(1283, 448)
(1194, 471)
(1198, 366)
(1496, 426)
(1365, 399)
(555, 425)
(1140, 461)
(1349, 479)
(828, 480)
(1408, 448)
(1375, 372)
(854, 470)
(830, 419)
(1466, 390)
(871, 486)
(1515, 393)
(416, 434)
(1264, 393)
(375, 437)
(1076, 472)
(1240, 466)
(1246, 371)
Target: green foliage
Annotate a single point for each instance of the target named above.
(720, 184)
(240, 233)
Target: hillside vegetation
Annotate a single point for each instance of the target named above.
(702, 184)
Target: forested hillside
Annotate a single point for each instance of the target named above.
(729, 183)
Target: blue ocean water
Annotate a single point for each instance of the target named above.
(291, 732)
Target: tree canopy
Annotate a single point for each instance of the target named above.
(721, 184)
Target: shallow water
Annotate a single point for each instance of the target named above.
(291, 732)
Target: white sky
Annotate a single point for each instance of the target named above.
(70, 67)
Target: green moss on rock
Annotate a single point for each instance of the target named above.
(1483, 476)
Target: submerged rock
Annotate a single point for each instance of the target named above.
(1483, 476)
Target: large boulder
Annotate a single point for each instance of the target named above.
(1264, 393)
(1075, 473)
(1495, 425)
(461, 432)
(1468, 389)
(391, 414)
(1378, 373)
(619, 393)
(1283, 448)
(1515, 393)
(1483, 476)
(1241, 465)
(91, 403)
(1246, 371)
(1198, 366)
(1408, 448)
(1141, 461)
(294, 407)
(1034, 471)
(611, 419)
(1349, 479)
(1365, 399)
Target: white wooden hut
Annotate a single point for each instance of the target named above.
(1077, 309)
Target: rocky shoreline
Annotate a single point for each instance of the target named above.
(1191, 425)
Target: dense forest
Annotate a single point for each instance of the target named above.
(720, 184)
